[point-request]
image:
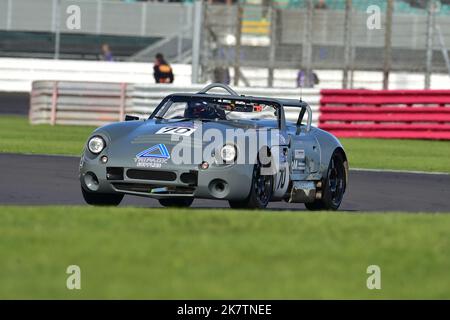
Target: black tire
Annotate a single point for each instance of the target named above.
(102, 199)
(260, 192)
(334, 185)
(176, 202)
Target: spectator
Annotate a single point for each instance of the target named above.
(221, 75)
(321, 4)
(106, 53)
(301, 79)
(162, 71)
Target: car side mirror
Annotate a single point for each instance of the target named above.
(131, 118)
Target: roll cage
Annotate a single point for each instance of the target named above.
(277, 103)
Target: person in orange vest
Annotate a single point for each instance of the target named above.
(162, 71)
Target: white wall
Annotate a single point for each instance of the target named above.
(16, 75)
(332, 79)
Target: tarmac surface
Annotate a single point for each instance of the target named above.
(53, 180)
(14, 103)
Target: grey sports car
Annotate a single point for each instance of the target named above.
(217, 146)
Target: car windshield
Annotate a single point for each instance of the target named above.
(179, 107)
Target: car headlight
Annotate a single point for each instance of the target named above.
(96, 144)
(228, 153)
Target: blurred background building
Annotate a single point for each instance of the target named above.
(258, 42)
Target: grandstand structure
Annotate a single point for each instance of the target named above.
(300, 38)
(401, 6)
(282, 34)
(28, 28)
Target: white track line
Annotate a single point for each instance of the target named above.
(400, 171)
(44, 155)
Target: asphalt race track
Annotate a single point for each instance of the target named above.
(45, 180)
(14, 103)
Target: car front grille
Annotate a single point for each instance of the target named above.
(114, 173)
(151, 175)
(117, 173)
(190, 178)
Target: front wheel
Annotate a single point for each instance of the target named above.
(101, 199)
(334, 185)
(260, 192)
(176, 202)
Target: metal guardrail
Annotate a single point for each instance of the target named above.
(388, 114)
(410, 114)
(78, 103)
(97, 103)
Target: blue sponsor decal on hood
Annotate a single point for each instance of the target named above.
(157, 151)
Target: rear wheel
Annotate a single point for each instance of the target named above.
(260, 192)
(101, 199)
(176, 202)
(334, 185)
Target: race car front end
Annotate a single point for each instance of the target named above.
(147, 168)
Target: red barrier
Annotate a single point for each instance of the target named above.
(402, 114)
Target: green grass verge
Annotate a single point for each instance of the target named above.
(418, 155)
(17, 136)
(199, 254)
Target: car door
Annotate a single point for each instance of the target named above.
(305, 155)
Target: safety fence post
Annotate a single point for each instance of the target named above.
(54, 103)
(123, 100)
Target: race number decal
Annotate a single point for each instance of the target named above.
(180, 131)
(282, 180)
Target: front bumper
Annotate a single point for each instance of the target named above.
(227, 182)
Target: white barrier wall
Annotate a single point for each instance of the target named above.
(17, 74)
